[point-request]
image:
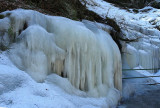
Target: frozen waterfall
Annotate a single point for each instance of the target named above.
(79, 51)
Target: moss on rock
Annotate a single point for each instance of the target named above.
(1, 16)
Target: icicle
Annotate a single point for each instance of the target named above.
(82, 52)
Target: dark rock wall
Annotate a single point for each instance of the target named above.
(131, 3)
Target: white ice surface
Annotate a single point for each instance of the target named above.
(18, 89)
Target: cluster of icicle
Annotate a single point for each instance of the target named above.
(79, 51)
(145, 52)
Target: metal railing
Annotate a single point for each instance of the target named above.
(141, 69)
(142, 76)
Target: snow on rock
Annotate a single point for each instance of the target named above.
(83, 54)
(143, 26)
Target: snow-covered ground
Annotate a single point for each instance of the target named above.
(18, 89)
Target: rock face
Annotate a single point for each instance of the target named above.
(155, 4)
(131, 3)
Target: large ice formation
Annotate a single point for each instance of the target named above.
(81, 52)
(142, 26)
